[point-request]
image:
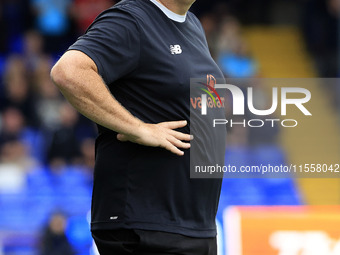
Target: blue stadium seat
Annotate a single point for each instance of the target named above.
(237, 156)
(78, 233)
(34, 140)
(281, 191)
(268, 154)
(20, 214)
(257, 190)
(39, 182)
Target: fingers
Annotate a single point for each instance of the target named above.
(170, 143)
(175, 138)
(174, 124)
(178, 143)
(170, 125)
(172, 148)
(181, 136)
(173, 145)
(162, 135)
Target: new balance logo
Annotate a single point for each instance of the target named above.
(175, 49)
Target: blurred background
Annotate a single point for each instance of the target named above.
(47, 148)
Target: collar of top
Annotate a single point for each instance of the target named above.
(171, 15)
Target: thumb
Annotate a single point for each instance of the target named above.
(122, 138)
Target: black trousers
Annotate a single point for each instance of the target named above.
(144, 242)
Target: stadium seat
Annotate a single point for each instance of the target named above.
(78, 233)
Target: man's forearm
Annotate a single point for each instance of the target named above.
(83, 87)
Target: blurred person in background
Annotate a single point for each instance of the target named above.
(85, 11)
(229, 35)
(17, 90)
(238, 63)
(334, 8)
(33, 50)
(47, 98)
(64, 148)
(210, 24)
(13, 124)
(54, 240)
(53, 22)
(14, 151)
(14, 162)
(87, 148)
(13, 138)
(233, 55)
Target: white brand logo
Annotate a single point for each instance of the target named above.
(175, 49)
(304, 243)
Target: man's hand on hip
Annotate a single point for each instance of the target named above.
(161, 135)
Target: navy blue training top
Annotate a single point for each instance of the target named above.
(147, 59)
